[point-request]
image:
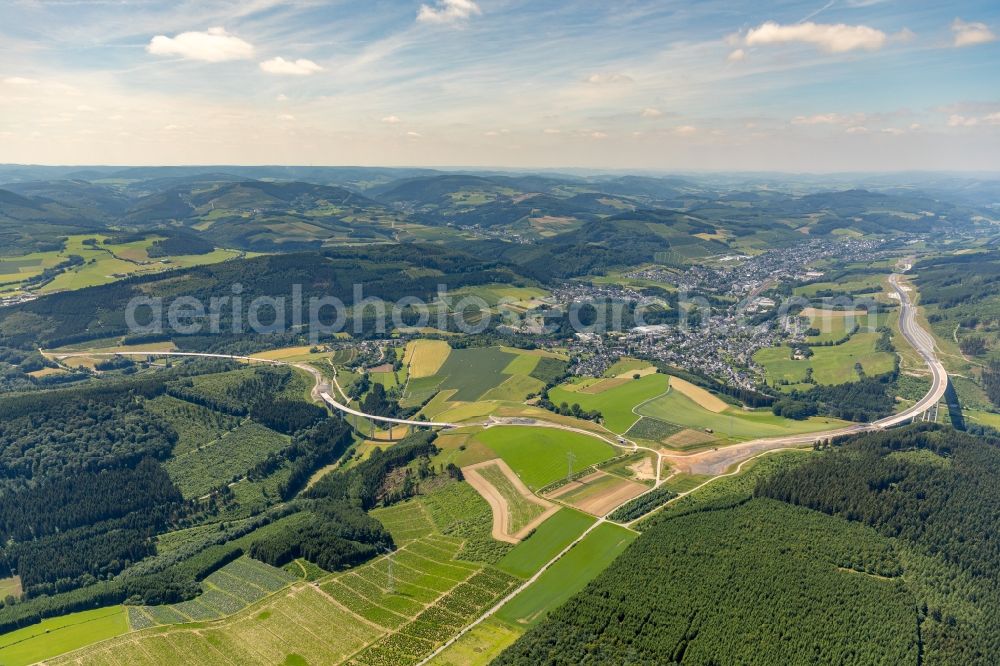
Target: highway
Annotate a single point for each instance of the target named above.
(318, 391)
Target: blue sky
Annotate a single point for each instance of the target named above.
(728, 85)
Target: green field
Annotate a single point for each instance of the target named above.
(473, 372)
(539, 455)
(616, 404)
(832, 327)
(567, 576)
(102, 263)
(516, 387)
(989, 419)
(626, 365)
(545, 543)
(831, 365)
(675, 407)
(521, 511)
(59, 635)
(843, 287)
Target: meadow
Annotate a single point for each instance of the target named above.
(58, 635)
(830, 365)
(568, 575)
(674, 407)
(103, 263)
(545, 542)
(615, 404)
(539, 455)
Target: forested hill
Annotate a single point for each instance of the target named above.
(892, 534)
(387, 272)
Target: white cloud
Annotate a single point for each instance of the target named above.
(829, 37)
(685, 130)
(551, 130)
(19, 81)
(448, 11)
(601, 79)
(956, 120)
(300, 67)
(281, 98)
(894, 131)
(287, 117)
(819, 119)
(970, 34)
(598, 135)
(737, 56)
(650, 112)
(415, 135)
(214, 45)
(857, 129)
(391, 120)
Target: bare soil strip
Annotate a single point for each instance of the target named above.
(573, 485)
(498, 503)
(612, 495)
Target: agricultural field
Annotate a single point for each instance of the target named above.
(103, 263)
(521, 298)
(867, 284)
(223, 460)
(834, 325)
(626, 366)
(59, 635)
(471, 378)
(473, 372)
(732, 424)
(425, 357)
(538, 455)
(598, 493)
(830, 365)
(568, 575)
(617, 403)
(546, 542)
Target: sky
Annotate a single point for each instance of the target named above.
(731, 85)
